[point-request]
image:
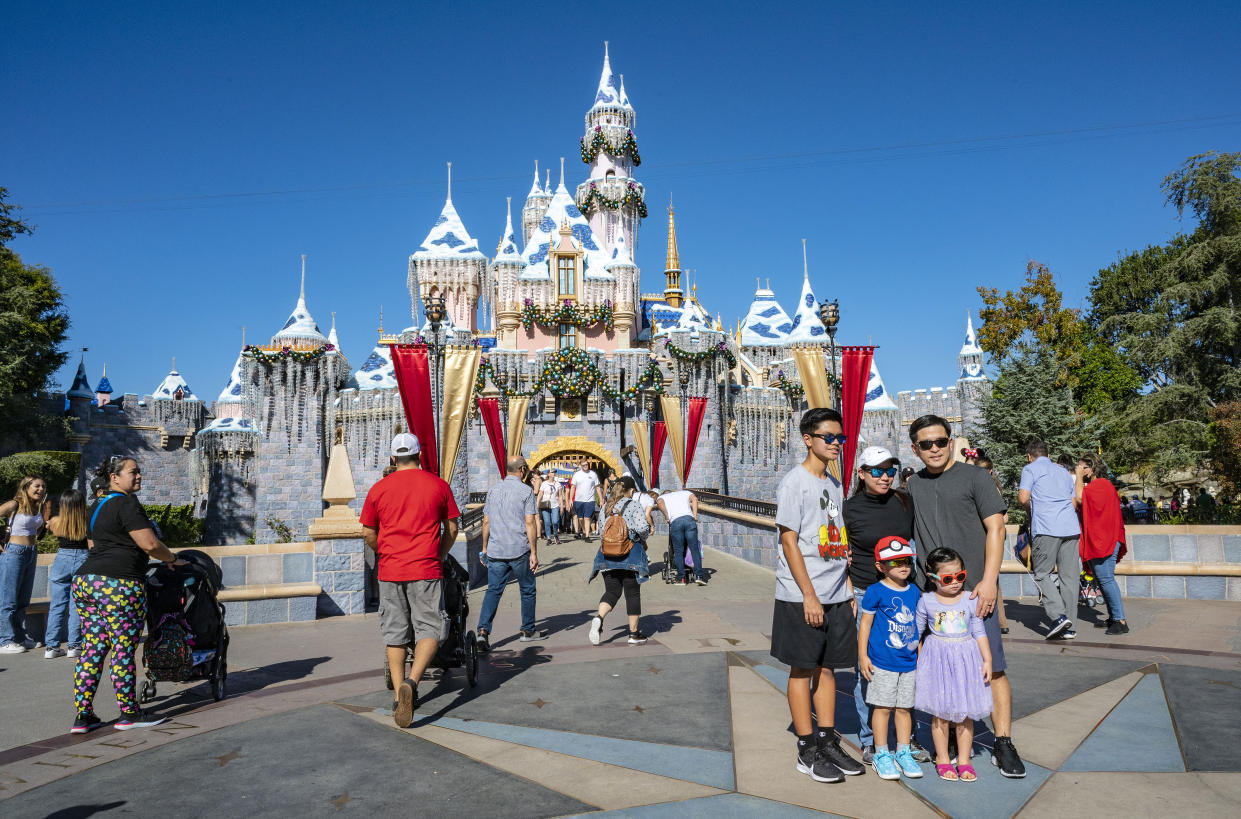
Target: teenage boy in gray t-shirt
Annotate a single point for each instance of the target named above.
(813, 627)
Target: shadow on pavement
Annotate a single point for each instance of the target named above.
(81, 811)
(239, 682)
(495, 669)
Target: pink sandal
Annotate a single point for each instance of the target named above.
(966, 773)
(948, 771)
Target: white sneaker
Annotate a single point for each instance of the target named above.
(53, 653)
(73, 652)
(13, 648)
(596, 630)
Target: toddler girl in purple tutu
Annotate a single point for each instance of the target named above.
(952, 682)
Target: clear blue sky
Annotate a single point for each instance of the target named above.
(177, 159)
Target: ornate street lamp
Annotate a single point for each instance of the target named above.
(829, 314)
(435, 310)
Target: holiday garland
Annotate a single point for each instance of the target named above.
(631, 198)
(627, 147)
(285, 353)
(567, 313)
(701, 355)
(571, 373)
(797, 390)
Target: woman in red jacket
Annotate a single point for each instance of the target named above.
(1103, 534)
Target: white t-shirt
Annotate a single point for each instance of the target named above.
(677, 504)
(584, 483)
(548, 491)
(814, 509)
(646, 500)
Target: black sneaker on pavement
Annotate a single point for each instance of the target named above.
(85, 723)
(814, 764)
(636, 638)
(136, 719)
(531, 636)
(1104, 623)
(406, 702)
(483, 644)
(1004, 756)
(1061, 625)
(831, 751)
(868, 754)
(1069, 635)
(1115, 627)
(700, 580)
(920, 754)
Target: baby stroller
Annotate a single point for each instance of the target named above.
(187, 638)
(460, 648)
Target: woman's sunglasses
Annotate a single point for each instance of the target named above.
(829, 439)
(933, 443)
(879, 472)
(945, 579)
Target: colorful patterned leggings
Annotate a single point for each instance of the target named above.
(112, 612)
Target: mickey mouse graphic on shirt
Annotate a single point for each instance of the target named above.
(833, 539)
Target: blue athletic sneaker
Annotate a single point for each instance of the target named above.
(885, 765)
(908, 765)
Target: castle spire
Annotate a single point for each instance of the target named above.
(561, 173)
(672, 272)
(450, 181)
(805, 268)
(535, 190)
(301, 293)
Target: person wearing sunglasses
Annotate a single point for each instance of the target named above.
(957, 506)
(813, 623)
(874, 511)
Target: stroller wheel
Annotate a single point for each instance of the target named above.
(219, 682)
(471, 659)
(146, 692)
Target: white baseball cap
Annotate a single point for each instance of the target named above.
(405, 444)
(875, 455)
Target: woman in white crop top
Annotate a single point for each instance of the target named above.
(26, 513)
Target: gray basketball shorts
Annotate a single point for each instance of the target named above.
(411, 610)
(890, 689)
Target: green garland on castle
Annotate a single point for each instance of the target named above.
(701, 355)
(571, 373)
(627, 147)
(285, 353)
(567, 312)
(631, 198)
(787, 387)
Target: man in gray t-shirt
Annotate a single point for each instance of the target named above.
(957, 506)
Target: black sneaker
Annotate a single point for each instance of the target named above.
(814, 764)
(920, 754)
(831, 751)
(1069, 635)
(636, 638)
(406, 702)
(85, 723)
(135, 719)
(1116, 627)
(1061, 625)
(1104, 623)
(531, 636)
(481, 641)
(868, 754)
(700, 580)
(1004, 756)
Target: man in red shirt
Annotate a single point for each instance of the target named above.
(410, 520)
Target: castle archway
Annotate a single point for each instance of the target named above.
(568, 451)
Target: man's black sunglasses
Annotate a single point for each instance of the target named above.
(829, 439)
(933, 443)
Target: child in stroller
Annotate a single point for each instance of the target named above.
(187, 638)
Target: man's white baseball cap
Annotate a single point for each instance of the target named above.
(876, 455)
(405, 444)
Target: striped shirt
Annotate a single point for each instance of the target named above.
(508, 503)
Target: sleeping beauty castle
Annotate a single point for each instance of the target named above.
(550, 346)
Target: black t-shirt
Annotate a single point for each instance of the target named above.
(115, 553)
(949, 511)
(867, 519)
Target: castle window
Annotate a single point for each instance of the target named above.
(568, 336)
(566, 277)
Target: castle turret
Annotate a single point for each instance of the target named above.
(300, 330)
(611, 198)
(81, 384)
(173, 387)
(628, 287)
(103, 390)
(506, 268)
(807, 328)
(673, 294)
(448, 263)
(972, 383)
(536, 206)
(969, 360)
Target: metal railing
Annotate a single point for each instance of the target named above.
(478, 497)
(470, 517)
(762, 509)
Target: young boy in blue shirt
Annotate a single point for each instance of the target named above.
(888, 655)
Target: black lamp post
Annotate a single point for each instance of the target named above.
(435, 311)
(829, 314)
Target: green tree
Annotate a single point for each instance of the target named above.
(33, 322)
(1225, 429)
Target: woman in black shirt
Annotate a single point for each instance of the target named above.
(875, 510)
(110, 592)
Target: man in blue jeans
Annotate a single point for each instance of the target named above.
(510, 548)
(680, 507)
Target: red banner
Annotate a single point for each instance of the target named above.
(413, 379)
(855, 366)
(697, 408)
(659, 437)
(489, 408)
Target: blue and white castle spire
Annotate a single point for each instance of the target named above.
(448, 263)
(766, 324)
(807, 328)
(536, 206)
(970, 357)
(300, 328)
(173, 387)
(878, 399)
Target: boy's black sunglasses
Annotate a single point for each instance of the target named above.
(829, 439)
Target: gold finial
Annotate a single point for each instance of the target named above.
(564, 227)
(672, 273)
(105, 369)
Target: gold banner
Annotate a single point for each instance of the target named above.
(813, 376)
(460, 369)
(676, 433)
(517, 408)
(642, 443)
